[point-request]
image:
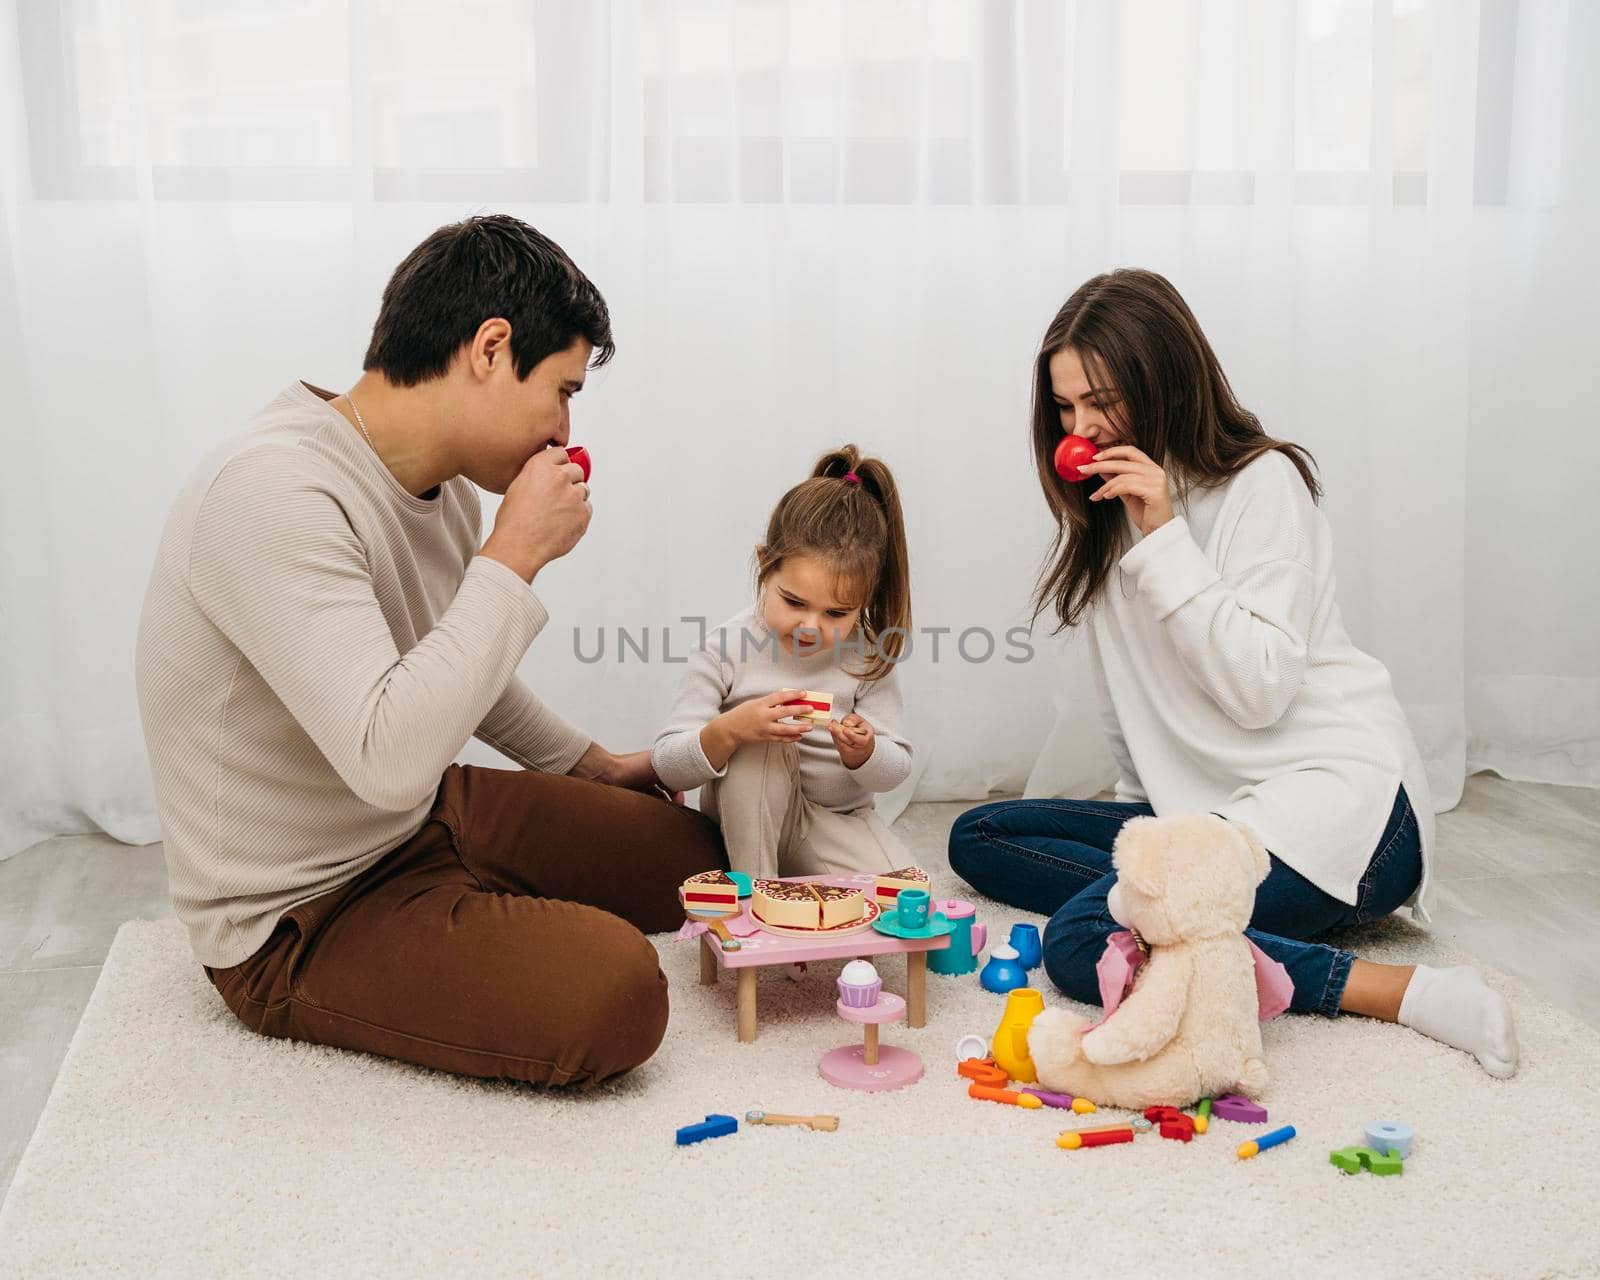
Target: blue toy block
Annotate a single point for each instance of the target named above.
(713, 1126)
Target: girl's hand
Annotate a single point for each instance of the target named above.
(854, 738)
(759, 720)
(765, 719)
(1140, 484)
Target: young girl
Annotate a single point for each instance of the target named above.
(1198, 558)
(832, 614)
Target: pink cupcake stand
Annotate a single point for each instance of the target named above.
(869, 1066)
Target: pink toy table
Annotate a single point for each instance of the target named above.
(762, 948)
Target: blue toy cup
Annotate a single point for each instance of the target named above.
(912, 908)
(1025, 938)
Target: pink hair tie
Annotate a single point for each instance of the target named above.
(850, 477)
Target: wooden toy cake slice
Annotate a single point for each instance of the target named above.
(812, 706)
(711, 891)
(887, 887)
(806, 906)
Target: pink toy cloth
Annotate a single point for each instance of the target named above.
(740, 926)
(1121, 959)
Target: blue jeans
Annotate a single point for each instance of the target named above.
(1053, 857)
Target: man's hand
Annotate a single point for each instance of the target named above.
(854, 738)
(544, 513)
(632, 770)
(1135, 479)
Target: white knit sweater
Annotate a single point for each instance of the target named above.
(1231, 686)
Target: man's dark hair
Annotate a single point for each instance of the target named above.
(486, 267)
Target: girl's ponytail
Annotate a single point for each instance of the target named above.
(849, 514)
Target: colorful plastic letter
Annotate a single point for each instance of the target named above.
(1392, 1136)
(713, 1126)
(1231, 1106)
(983, 1071)
(1354, 1159)
(1173, 1123)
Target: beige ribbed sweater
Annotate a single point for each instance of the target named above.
(316, 647)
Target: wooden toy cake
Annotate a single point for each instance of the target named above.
(711, 891)
(887, 888)
(812, 706)
(807, 906)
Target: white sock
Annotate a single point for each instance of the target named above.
(1456, 1006)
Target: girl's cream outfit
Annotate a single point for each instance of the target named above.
(787, 808)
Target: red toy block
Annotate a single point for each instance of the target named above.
(1173, 1123)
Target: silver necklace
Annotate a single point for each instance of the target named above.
(360, 423)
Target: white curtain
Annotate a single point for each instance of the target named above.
(819, 222)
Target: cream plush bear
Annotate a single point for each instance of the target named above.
(1189, 1028)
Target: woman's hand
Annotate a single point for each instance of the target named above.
(1140, 484)
(854, 739)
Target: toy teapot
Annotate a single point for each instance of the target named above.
(966, 939)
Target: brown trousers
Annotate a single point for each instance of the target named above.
(503, 939)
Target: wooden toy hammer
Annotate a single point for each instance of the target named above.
(825, 1123)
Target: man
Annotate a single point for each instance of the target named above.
(322, 634)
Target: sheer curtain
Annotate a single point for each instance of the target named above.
(820, 222)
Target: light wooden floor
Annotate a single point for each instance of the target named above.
(1519, 887)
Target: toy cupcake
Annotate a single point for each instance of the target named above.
(859, 985)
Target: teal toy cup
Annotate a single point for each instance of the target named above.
(912, 906)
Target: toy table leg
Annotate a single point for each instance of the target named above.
(747, 1005)
(708, 961)
(916, 988)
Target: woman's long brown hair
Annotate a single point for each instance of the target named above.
(1135, 334)
(858, 532)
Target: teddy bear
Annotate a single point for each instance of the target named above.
(1190, 1026)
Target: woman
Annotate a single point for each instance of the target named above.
(1203, 570)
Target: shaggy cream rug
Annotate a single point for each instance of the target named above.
(178, 1143)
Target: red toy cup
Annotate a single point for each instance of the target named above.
(1072, 453)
